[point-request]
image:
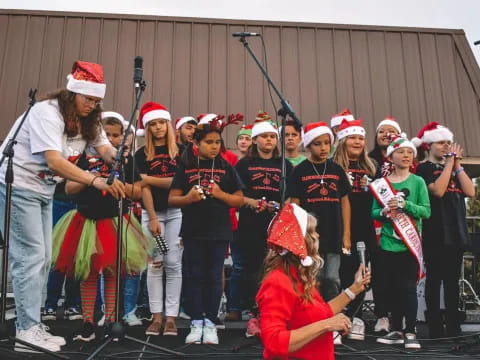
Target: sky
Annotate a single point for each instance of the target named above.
(453, 14)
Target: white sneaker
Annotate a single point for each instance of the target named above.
(210, 335)
(184, 315)
(382, 325)
(337, 338)
(101, 322)
(34, 336)
(132, 320)
(195, 336)
(358, 329)
(60, 341)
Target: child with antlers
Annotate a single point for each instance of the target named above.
(205, 186)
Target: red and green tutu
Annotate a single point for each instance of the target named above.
(82, 245)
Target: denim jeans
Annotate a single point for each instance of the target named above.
(131, 286)
(56, 278)
(30, 250)
(330, 277)
(236, 291)
(170, 223)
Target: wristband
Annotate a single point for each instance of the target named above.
(458, 171)
(349, 293)
(93, 180)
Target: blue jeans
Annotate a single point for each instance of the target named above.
(236, 301)
(30, 250)
(56, 278)
(131, 286)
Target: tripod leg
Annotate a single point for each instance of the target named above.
(100, 348)
(153, 346)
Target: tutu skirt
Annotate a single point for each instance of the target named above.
(82, 245)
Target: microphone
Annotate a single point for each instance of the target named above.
(244, 34)
(361, 252)
(476, 42)
(137, 70)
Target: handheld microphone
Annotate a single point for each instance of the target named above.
(361, 252)
(137, 70)
(245, 34)
(476, 42)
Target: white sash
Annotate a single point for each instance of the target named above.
(403, 224)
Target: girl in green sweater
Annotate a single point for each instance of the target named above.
(401, 202)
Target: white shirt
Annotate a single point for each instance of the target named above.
(42, 130)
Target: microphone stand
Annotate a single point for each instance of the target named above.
(118, 329)
(286, 109)
(8, 153)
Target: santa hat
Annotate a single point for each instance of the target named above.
(348, 128)
(314, 130)
(204, 119)
(151, 111)
(245, 130)
(263, 124)
(288, 229)
(336, 120)
(183, 120)
(432, 132)
(389, 121)
(86, 79)
(400, 142)
(115, 115)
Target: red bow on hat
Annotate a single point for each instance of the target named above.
(344, 112)
(345, 124)
(262, 116)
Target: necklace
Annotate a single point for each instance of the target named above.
(316, 171)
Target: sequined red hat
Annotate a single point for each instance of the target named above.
(87, 79)
(288, 229)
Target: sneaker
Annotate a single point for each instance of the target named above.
(60, 341)
(132, 320)
(210, 335)
(411, 341)
(101, 322)
(154, 328)
(87, 334)
(337, 338)
(219, 324)
(358, 330)
(394, 337)
(73, 313)
(34, 336)
(143, 313)
(232, 316)
(195, 335)
(49, 314)
(382, 324)
(253, 328)
(183, 315)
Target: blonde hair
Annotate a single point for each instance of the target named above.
(306, 274)
(365, 162)
(170, 141)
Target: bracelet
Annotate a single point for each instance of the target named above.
(93, 180)
(458, 171)
(349, 293)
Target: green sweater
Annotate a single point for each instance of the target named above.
(417, 205)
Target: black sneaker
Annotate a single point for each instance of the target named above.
(73, 313)
(411, 341)
(143, 313)
(87, 334)
(219, 324)
(49, 314)
(394, 337)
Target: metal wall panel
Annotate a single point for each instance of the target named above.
(194, 66)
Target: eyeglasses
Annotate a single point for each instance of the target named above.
(90, 100)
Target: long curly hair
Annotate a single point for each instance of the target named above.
(91, 125)
(306, 274)
(365, 162)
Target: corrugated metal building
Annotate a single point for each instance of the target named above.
(194, 65)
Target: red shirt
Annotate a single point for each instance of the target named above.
(283, 310)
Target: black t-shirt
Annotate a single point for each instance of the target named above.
(91, 203)
(361, 228)
(210, 217)
(161, 166)
(261, 178)
(322, 200)
(447, 225)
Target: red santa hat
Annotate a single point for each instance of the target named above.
(115, 115)
(348, 128)
(432, 132)
(389, 120)
(151, 111)
(86, 79)
(263, 124)
(400, 142)
(314, 130)
(288, 229)
(183, 120)
(204, 119)
(337, 119)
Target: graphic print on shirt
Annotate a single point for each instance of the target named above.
(203, 176)
(453, 186)
(162, 166)
(321, 188)
(265, 178)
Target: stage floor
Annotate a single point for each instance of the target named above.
(234, 345)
